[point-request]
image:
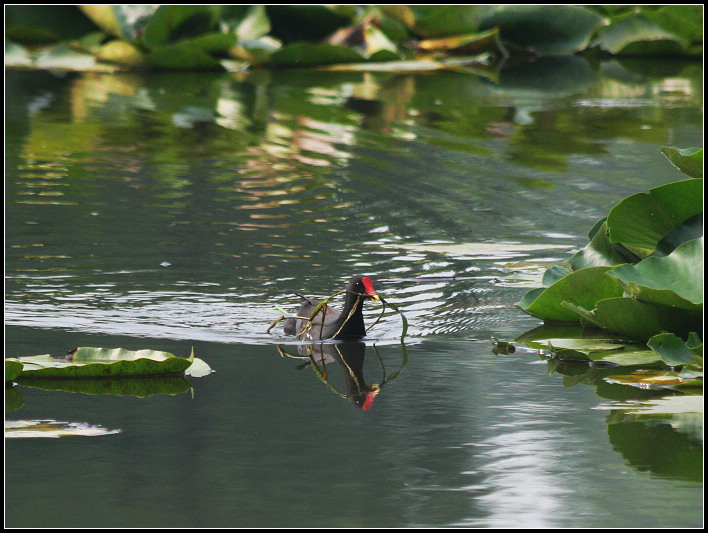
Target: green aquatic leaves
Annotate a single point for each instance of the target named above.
(641, 275)
(640, 221)
(103, 363)
(583, 288)
(675, 280)
(234, 36)
(544, 29)
(667, 31)
(687, 160)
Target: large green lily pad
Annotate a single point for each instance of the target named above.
(13, 368)
(687, 160)
(544, 29)
(308, 54)
(675, 280)
(640, 221)
(676, 352)
(638, 320)
(583, 288)
(104, 362)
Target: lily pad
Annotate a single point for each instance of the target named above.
(675, 280)
(182, 57)
(104, 362)
(606, 350)
(583, 288)
(245, 22)
(544, 29)
(654, 379)
(687, 160)
(309, 55)
(471, 43)
(637, 34)
(63, 57)
(13, 369)
(173, 23)
(675, 351)
(122, 53)
(446, 20)
(600, 251)
(640, 221)
(638, 320)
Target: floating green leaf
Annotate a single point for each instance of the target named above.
(122, 53)
(13, 368)
(63, 57)
(685, 21)
(654, 379)
(446, 20)
(104, 362)
(308, 55)
(640, 221)
(601, 251)
(470, 43)
(46, 23)
(544, 29)
(691, 229)
(675, 351)
(675, 280)
(245, 22)
(687, 160)
(583, 288)
(602, 349)
(637, 34)
(638, 320)
(182, 57)
(173, 23)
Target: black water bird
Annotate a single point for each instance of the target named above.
(329, 323)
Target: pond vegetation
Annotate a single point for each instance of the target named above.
(395, 37)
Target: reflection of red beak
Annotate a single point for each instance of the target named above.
(369, 401)
(370, 291)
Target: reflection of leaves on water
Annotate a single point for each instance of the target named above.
(137, 387)
(669, 445)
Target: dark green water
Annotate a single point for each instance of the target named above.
(172, 211)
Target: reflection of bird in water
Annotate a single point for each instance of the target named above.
(328, 323)
(350, 357)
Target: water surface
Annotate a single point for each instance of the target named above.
(172, 211)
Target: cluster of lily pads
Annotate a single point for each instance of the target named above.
(431, 36)
(640, 280)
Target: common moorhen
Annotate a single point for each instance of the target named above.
(330, 324)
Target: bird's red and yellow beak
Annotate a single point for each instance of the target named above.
(370, 291)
